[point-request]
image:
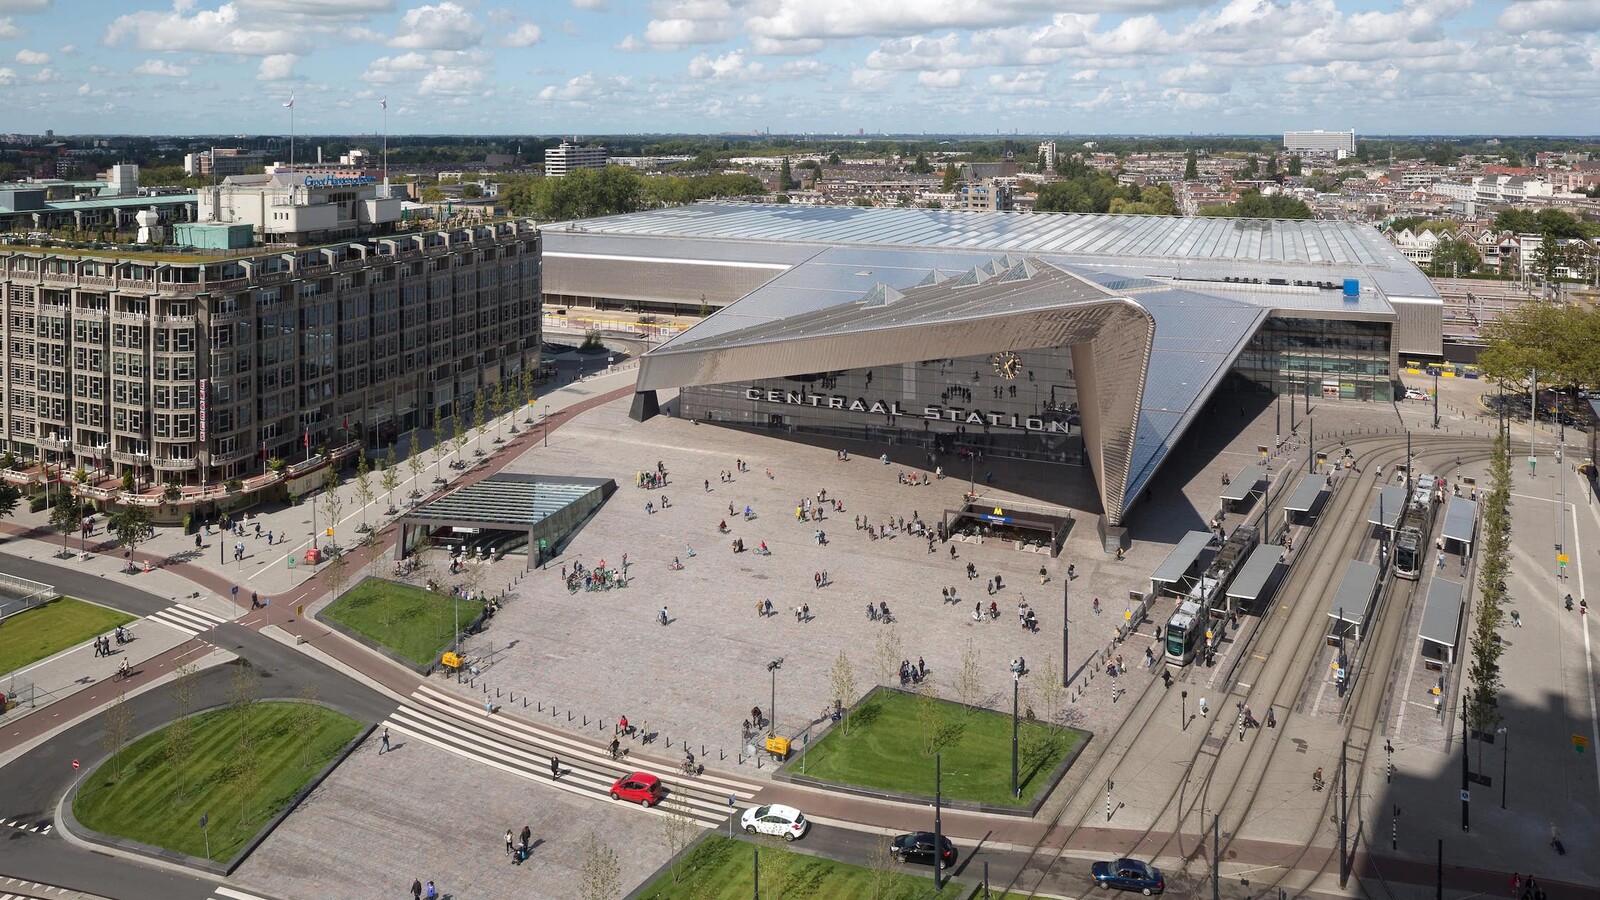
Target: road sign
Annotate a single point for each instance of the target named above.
(1561, 558)
(204, 818)
(299, 609)
(75, 762)
(1466, 796)
(1579, 744)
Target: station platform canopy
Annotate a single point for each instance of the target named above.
(1182, 559)
(1441, 618)
(1389, 506)
(1255, 573)
(1244, 484)
(544, 507)
(1351, 602)
(1461, 523)
(1306, 493)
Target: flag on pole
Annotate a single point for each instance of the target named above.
(384, 103)
(290, 103)
(308, 438)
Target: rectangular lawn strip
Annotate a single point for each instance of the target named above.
(719, 868)
(294, 742)
(414, 623)
(889, 742)
(44, 631)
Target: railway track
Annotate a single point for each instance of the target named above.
(1268, 678)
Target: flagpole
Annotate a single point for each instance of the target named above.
(385, 104)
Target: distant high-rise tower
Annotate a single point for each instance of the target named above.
(1340, 143)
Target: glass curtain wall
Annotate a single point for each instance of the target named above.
(1021, 404)
(1330, 357)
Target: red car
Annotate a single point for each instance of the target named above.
(638, 787)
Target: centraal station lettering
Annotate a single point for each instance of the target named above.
(957, 414)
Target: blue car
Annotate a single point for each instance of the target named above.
(1129, 874)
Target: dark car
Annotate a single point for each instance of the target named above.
(918, 847)
(1129, 874)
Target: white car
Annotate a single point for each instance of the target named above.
(1414, 394)
(775, 819)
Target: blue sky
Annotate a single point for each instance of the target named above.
(795, 66)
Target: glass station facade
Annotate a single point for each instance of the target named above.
(1333, 358)
(1020, 404)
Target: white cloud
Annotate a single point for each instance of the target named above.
(805, 68)
(940, 79)
(276, 67)
(727, 67)
(586, 89)
(920, 52)
(590, 5)
(630, 44)
(685, 23)
(336, 9)
(1551, 15)
(872, 81)
(853, 18)
(8, 77)
(161, 68)
(46, 75)
(452, 81)
(207, 31)
(67, 49)
(765, 46)
(392, 69)
(525, 35)
(26, 57)
(442, 27)
(1031, 81)
(9, 30)
(24, 6)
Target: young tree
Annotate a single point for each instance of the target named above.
(1191, 167)
(885, 867)
(601, 873)
(842, 681)
(333, 503)
(785, 176)
(306, 715)
(390, 479)
(179, 740)
(477, 413)
(338, 574)
(930, 717)
(363, 486)
(65, 515)
(10, 496)
(498, 401)
(678, 828)
(1295, 166)
(1052, 696)
(129, 524)
(459, 436)
(119, 730)
(969, 680)
(887, 654)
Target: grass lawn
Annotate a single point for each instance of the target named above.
(28, 637)
(295, 741)
(414, 623)
(719, 868)
(888, 748)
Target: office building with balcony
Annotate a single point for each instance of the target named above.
(559, 161)
(1339, 143)
(196, 369)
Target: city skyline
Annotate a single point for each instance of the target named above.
(827, 66)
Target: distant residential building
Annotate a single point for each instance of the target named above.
(1341, 143)
(558, 161)
(222, 161)
(1047, 151)
(299, 208)
(987, 196)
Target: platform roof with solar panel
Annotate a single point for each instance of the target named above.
(795, 285)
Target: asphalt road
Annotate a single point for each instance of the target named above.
(1007, 868)
(34, 784)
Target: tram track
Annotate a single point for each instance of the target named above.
(1337, 539)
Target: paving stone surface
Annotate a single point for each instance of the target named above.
(420, 812)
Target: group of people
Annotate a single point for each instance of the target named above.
(650, 481)
(102, 644)
(519, 848)
(912, 674)
(599, 578)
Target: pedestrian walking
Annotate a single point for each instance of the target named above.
(383, 747)
(1097, 606)
(431, 892)
(1272, 720)
(1516, 884)
(416, 889)
(1043, 575)
(510, 843)
(555, 766)
(1203, 711)
(662, 616)
(527, 835)
(805, 612)
(488, 706)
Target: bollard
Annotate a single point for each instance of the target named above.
(524, 701)
(541, 706)
(497, 693)
(702, 749)
(721, 754)
(486, 688)
(512, 695)
(569, 715)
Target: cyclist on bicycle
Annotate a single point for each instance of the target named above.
(122, 670)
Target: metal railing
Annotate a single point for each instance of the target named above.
(18, 594)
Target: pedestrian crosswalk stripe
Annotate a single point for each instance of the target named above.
(231, 894)
(186, 619)
(579, 776)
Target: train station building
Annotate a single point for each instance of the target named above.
(1091, 340)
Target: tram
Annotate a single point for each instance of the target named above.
(1186, 631)
(1411, 540)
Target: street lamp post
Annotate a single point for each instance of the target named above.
(772, 708)
(1016, 685)
(1183, 710)
(1505, 763)
(545, 428)
(938, 825)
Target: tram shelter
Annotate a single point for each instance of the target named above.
(1352, 602)
(1255, 577)
(505, 513)
(1307, 496)
(1460, 526)
(1238, 492)
(1178, 572)
(1388, 507)
(1441, 623)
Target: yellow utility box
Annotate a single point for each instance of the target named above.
(778, 746)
